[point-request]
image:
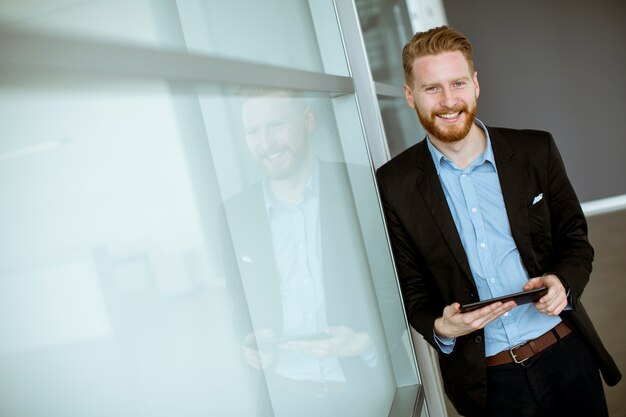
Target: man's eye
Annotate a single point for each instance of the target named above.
(459, 84)
(431, 89)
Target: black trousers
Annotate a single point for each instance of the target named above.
(563, 380)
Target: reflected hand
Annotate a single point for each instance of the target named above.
(256, 357)
(453, 323)
(342, 341)
(553, 303)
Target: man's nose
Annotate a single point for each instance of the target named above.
(448, 98)
(265, 138)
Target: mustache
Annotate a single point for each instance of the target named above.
(457, 108)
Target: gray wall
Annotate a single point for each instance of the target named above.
(560, 66)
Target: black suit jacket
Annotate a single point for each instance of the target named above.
(433, 269)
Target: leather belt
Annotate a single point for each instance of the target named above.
(520, 353)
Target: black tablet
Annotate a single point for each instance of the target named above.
(520, 298)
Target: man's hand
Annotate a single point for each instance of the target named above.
(453, 323)
(342, 341)
(555, 300)
(256, 357)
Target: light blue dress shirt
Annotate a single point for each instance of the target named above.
(477, 206)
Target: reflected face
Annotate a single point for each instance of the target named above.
(277, 132)
(444, 95)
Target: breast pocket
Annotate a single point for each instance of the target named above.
(539, 224)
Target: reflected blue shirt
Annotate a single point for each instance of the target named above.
(298, 254)
(475, 200)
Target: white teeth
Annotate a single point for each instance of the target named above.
(449, 115)
(274, 155)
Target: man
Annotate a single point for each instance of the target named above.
(477, 212)
(303, 267)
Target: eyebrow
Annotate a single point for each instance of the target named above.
(435, 84)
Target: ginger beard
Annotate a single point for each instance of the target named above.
(452, 133)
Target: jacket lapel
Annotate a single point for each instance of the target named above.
(512, 183)
(429, 185)
(254, 249)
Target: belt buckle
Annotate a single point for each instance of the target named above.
(514, 356)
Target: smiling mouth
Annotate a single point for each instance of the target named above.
(274, 155)
(449, 116)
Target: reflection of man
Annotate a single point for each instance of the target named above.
(304, 272)
(476, 212)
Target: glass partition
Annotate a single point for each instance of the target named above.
(387, 26)
(402, 127)
(112, 303)
(176, 248)
(299, 251)
(150, 285)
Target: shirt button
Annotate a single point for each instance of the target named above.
(482, 245)
(492, 280)
(506, 314)
(474, 210)
(464, 175)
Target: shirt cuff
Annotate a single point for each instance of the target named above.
(568, 307)
(445, 344)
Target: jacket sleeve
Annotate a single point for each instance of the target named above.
(571, 252)
(420, 298)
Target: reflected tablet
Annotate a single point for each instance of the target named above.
(274, 342)
(520, 298)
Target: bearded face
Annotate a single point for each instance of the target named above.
(449, 125)
(444, 94)
(277, 135)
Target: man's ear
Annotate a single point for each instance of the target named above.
(476, 85)
(408, 95)
(309, 119)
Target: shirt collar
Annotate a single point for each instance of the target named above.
(310, 189)
(438, 157)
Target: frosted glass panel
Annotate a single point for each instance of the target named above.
(155, 260)
(299, 250)
(170, 249)
(402, 127)
(271, 32)
(111, 297)
(386, 28)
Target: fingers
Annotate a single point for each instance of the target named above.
(253, 358)
(251, 351)
(451, 310)
(553, 303)
(455, 324)
(533, 283)
(257, 359)
(489, 313)
(552, 306)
